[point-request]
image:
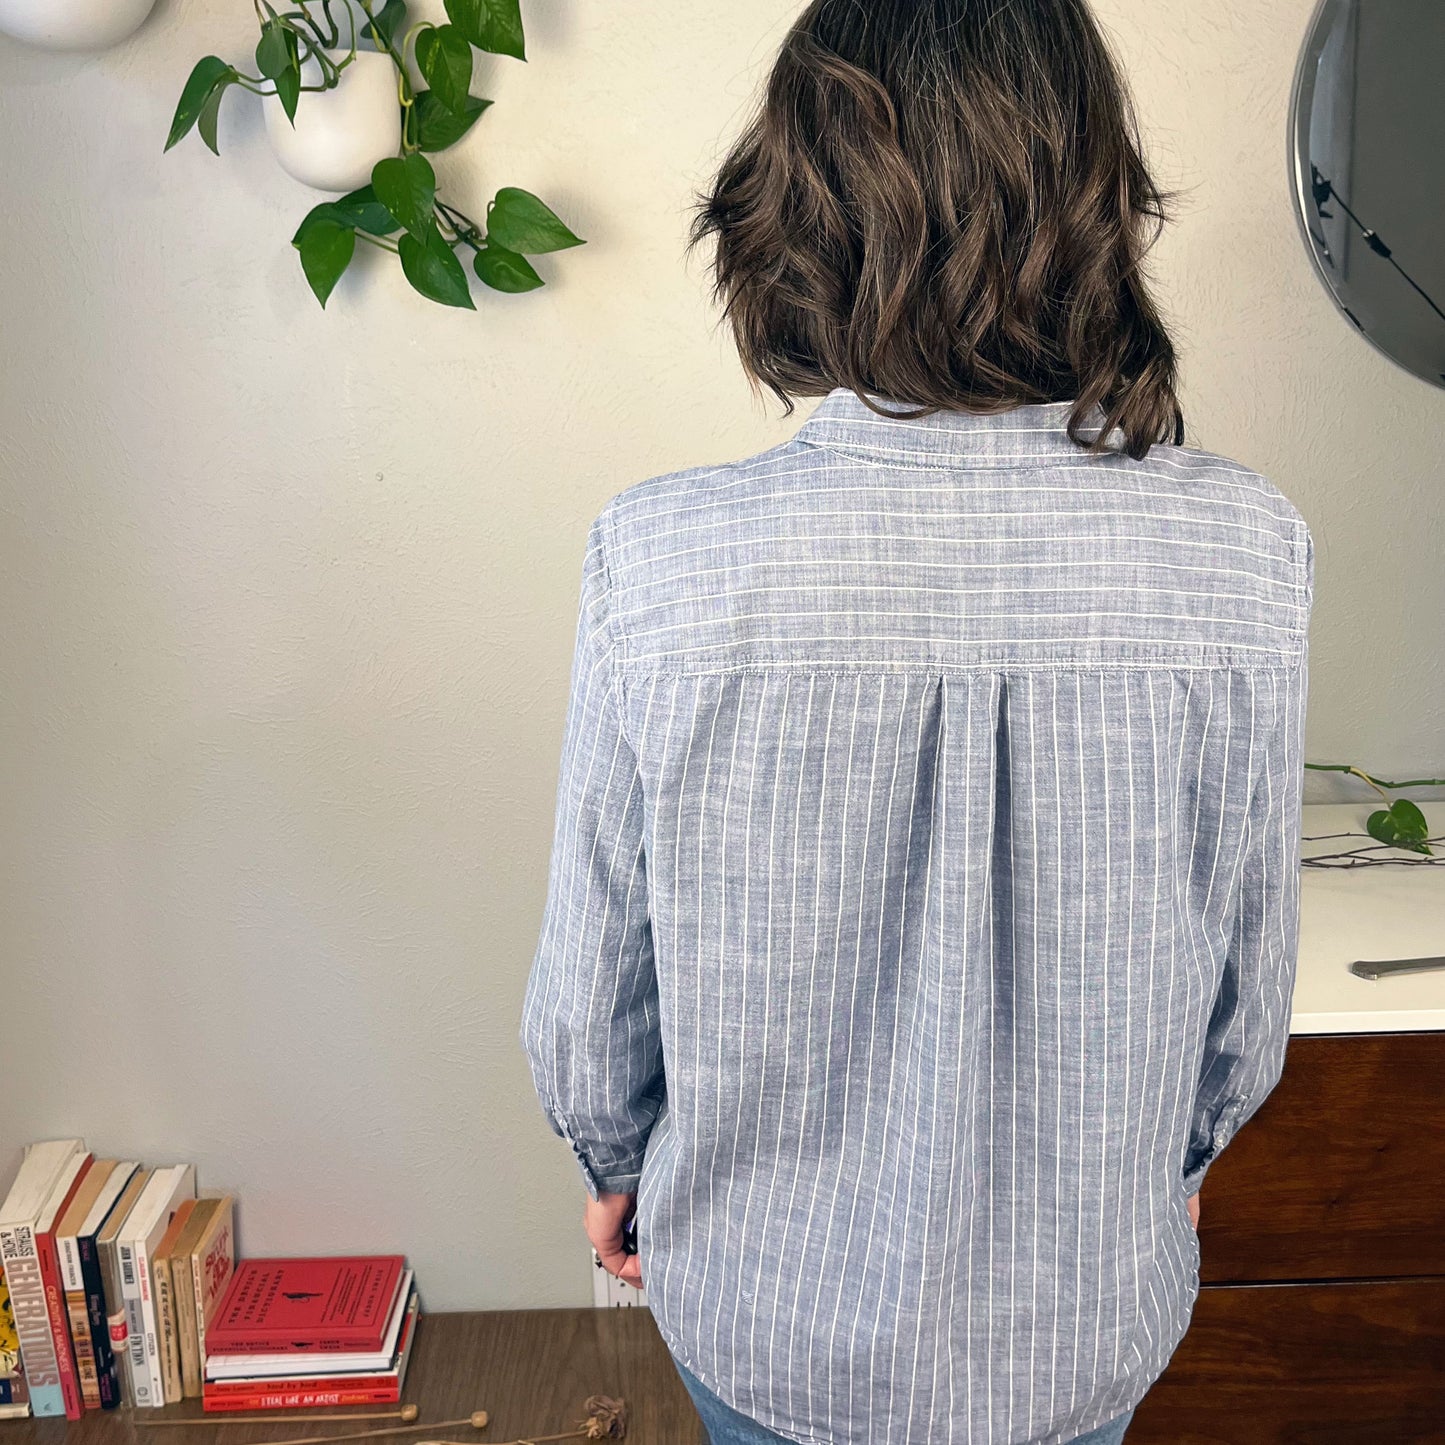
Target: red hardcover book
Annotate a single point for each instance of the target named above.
(297, 1399)
(303, 1392)
(306, 1306)
(55, 1293)
(293, 1384)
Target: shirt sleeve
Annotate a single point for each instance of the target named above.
(590, 1025)
(1249, 1026)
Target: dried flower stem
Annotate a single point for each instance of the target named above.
(606, 1420)
(477, 1420)
(407, 1412)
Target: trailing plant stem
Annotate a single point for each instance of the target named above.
(1378, 784)
(377, 242)
(405, 98)
(467, 231)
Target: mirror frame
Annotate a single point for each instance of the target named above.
(1301, 107)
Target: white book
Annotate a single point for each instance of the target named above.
(117, 1320)
(142, 1231)
(283, 1366)
(68, 1253)
(135, 1350)
(67, 1246)
(105, 1201)
(41, 1168)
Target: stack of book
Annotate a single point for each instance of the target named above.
(112, 1272)
(297, 1332)
(120, 1285)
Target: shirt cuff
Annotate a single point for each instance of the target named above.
(611, 1183)
(1195, 1177)
(614, 1179)
(1220, 1134)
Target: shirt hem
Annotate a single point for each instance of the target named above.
(1057, 1438)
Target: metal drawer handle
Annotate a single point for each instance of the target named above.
(1383, 968)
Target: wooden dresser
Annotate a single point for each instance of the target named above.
(1321, 1317)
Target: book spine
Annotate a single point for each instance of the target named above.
(150, 1335)
(135, 1343)
(32, 1321)
(271, 1344)
(213, 1272)
(198, 1288)
(298, 1399)
(115, 1319)
(170, 1345)
(75, 1312)
(183, 1290)
(78, 1316)
(378, 1380)
(102, 1354)
(17, 1392)
(55, 1315)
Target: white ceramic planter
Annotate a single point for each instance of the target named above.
(72, 24)
(339, 134)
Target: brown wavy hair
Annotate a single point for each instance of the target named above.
(943, 204)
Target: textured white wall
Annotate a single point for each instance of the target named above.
(288, 597)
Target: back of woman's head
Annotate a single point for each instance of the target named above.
(943, 203)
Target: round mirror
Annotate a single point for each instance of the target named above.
(1369, 163)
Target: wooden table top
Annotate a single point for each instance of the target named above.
(531, 1370)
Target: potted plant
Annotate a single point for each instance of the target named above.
(314, 59)
(335, 133)
(73, 24)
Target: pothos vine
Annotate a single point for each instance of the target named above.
(399, 211)
(1400, 824)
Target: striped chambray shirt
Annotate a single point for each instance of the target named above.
(923, 908)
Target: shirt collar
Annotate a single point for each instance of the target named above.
(1034, 431)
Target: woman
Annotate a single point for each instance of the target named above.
(924, 898)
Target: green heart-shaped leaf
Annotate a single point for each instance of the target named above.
(326, 250)
(288, 91)
(277, 50)
(210, 116)
(433, 269)
(493, 25)
(407, 187)
(517, 220)
(437, 126)
(362, 210)
(1401, 825)
(445, 59)
(359, 211)
(208, 74)
(505, 270)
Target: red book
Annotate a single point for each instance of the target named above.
(321, 1383)
(307, 1306)
(304, 1392)
(298, 1399)
(57, 1204)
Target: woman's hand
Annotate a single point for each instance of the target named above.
(604, 1220)
(1194, 1211)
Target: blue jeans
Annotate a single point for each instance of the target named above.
(725, 1426)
